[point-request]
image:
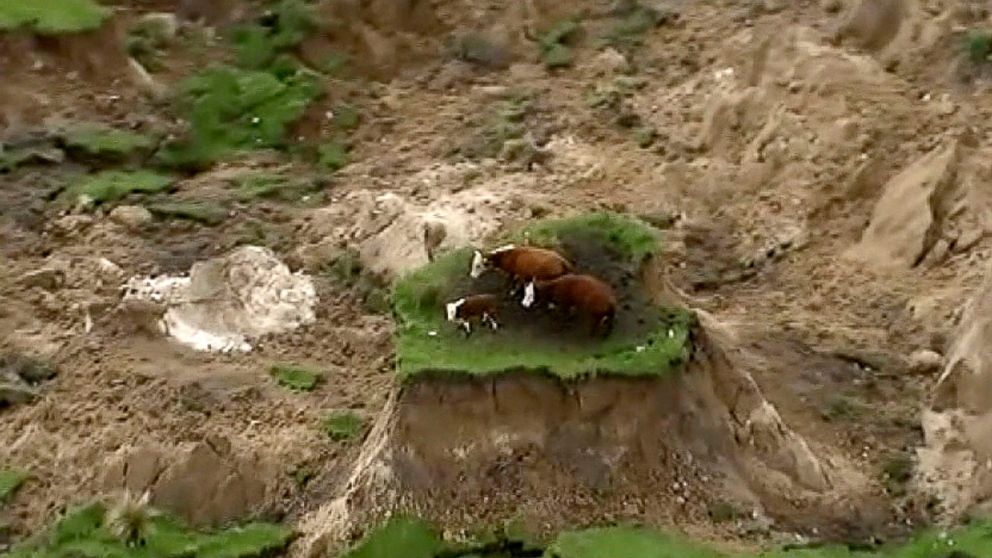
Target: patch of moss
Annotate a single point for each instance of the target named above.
(10, 481)
(84, 532)
(629, 542)
(342, 425)
(206, 213)
(50, 17)
(229, 111)
(426, 343)
(96, 140)
(507, 122)
(12, 159)
(294, 377)
(111, 186)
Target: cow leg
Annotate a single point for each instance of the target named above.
(467, 327)
(491, 321)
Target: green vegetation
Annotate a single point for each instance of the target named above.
(896, 472)
(203, 212)
(229, 111)
(426, 343)
(506, 123)
(49, 17)
(294, 377)
(842, 408)
(146, 40)
(555, 43)
(342, 425)
(979, 46)
(476, 48)
(400, 537)
(95, 140)
(288, 23)
(87, 532)
(14, 158)
(347, 270)
(111, 186)
(333, 156)
(275, 187)
(636, 20)
(10, 481)
(412, 538)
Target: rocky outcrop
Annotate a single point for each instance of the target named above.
(207, 483)
(955, 464)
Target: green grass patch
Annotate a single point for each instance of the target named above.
(205, 213)
(333, 156)
(287, 23)
(84, 532)
(411, 538)
(342, 425)
(13, 159)
(647, 340)
(104, 142)
(978, 45)
(346, 269)
(399, 537)
(230, 111)
(295, 377)
(10, 481)
(506, 122)
(49, 17)
(109, 186)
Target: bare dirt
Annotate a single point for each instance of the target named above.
(828, 158)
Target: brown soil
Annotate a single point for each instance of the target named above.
(790, 136)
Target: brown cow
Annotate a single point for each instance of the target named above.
(465, 309)
(577, 293)
(522, 263)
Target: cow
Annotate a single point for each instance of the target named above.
(573, 293)
(521, 263)
(481, 306)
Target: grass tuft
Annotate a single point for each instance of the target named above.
(230, 111)
(295, 378)
(288, 23)
(104, 142)
(275, 187)
(555, 43)
(109, 186)
(205, 213)
(11, 481)
(341, 426)
(333, 156)
(51, 17)
(979, 46)
(628, 32)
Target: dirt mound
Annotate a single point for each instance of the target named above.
(659, 450)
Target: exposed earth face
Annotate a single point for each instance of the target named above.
(816, 172)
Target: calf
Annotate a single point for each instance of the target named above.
(522, 263)
(577, 293)
(465, 309)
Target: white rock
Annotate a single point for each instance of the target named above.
(132, 217)
(925, 361)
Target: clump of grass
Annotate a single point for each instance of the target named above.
(978, 44)
(723, 511)
(347, 270)
(842, 408)
(130, 520)
(145, 42)
(12, 159)
(104, 142)
(896, 472)
(11, 481)
(230, 111)
(507, 122)
(94, 531)
(50, 17)
(628, 542)
(333, 155)
(295, 378)
(341, 426)
(275, 187)
(425, 342)
(109, 186)
(628, 32)
(260, 44)
(555, 44)
(206, 213)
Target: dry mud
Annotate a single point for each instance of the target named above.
(828, 158)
